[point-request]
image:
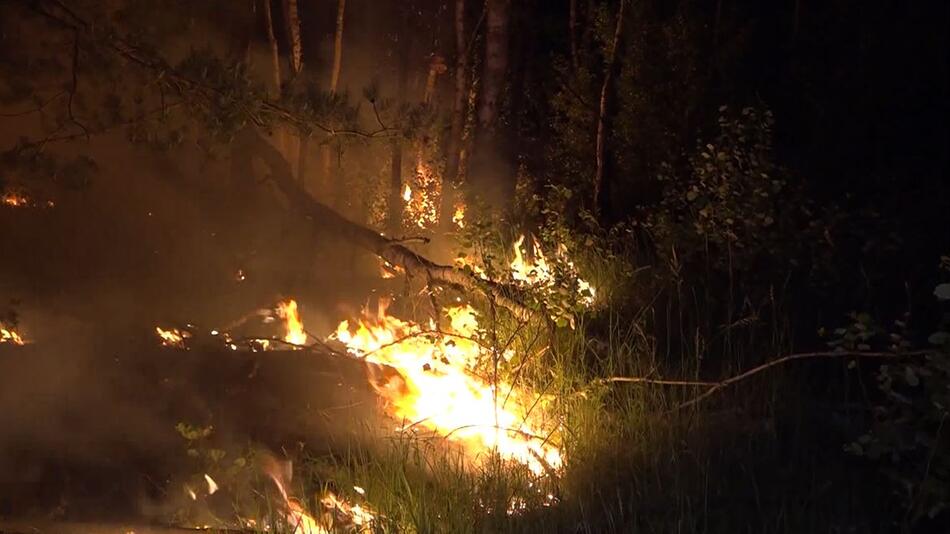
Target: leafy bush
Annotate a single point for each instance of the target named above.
(908, 436)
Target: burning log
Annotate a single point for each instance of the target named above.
(251, 145)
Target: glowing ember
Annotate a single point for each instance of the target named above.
(172, 337)
(10, 336)
(293, 326)
(459, 216)
(15, 200)
(439, 389)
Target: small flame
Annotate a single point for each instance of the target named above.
(14, 199)
(540, 273)
(212, 485)
(293, 326)
(10, 336)
(459, 216)
(338, 511)
(172, 337)
(407, 193)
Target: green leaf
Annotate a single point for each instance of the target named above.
(911, 377)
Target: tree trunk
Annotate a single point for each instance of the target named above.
(292, 17)
(459, 111)
(572, 29)
(395, 144)
(250, 145)
(606, 88)
(491, 176)
(337, 47)
(335, 187)
(274, 51)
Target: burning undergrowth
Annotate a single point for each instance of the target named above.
(440, 387)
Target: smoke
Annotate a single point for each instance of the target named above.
(172, 235)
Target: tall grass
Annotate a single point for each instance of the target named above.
(763, 457)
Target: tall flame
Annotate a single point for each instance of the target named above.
(293, 326)
(438, 388)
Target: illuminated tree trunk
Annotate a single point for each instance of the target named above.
(292, 17)
(605, 90)
(276, 90)
(274, 51)
(336, 186)
(395, 144)
(337, 47)
(249, 146)
(491, 177)
(459, 112)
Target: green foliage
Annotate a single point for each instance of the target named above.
(909, 434)
(735, 203)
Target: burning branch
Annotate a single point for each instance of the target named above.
(251, 144)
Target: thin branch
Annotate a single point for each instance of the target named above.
(182, 83)
(75, 85)
(655, 381)
(791, 357)
(40, 107)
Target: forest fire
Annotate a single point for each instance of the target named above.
(438, 387)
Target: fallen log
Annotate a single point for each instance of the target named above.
(249, 145)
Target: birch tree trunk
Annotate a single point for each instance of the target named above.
(292, 17)
(395, 144)
(274, 51)
(605, 90)
(459, 111)
(335, 187)
(490, 175)
(337, 47)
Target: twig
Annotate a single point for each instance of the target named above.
(656, 381)
(75, 85)
(791, 357)
(182, 83)
(40, 107)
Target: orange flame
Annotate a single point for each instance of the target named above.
(438, 388)
(459, 216)
(10, 336)
(540, 273)
(172, 337)
(14, 199)
(293, 326)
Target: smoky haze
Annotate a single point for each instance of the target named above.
(171, 237)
